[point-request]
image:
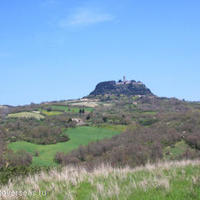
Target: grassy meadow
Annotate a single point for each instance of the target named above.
(78, 136)
(67, 108)
(50, 113)
(177, 180)
(60, 109)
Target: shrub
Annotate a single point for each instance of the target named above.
(20, 158)
(134, 147)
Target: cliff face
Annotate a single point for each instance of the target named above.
(117, 88)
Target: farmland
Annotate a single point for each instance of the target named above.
(26, 115)
(60, 109)
(78, 136)
(51, 113)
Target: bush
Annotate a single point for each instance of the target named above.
(10, 173)
(20, 158)
(59, 157)
(134, 147)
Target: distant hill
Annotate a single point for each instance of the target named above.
(121, 88)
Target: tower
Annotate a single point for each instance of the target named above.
(124, 79)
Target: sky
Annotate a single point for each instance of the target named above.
(60, 49)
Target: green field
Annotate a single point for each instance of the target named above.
(78, 136)
(59, 109)
(172, 152)
(50, 113)
(69, 108)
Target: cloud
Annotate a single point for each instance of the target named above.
(85, 17)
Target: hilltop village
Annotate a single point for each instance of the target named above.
(122, 87)
(126, 82)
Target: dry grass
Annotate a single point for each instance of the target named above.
(26, 115)
(3, 106)
(86, 104)
(90, 103)
(104, 182)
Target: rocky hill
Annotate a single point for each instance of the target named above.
(121, 87)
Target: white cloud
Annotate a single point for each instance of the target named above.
(85, 17)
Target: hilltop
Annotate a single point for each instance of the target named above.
(47, 129)
(122, 124)
(124, 87)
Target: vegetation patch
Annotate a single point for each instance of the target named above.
(78, 136)
(59, 109)
(51, 113)
(147, 122)
(26, 115)
(163, 181)
(118, 127)
(175, 151)
(86, 104)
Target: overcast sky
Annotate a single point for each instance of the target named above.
(60, 49)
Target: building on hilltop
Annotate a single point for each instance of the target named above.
(124, 82)
(124, 79)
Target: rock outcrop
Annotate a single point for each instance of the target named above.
(121, 87)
